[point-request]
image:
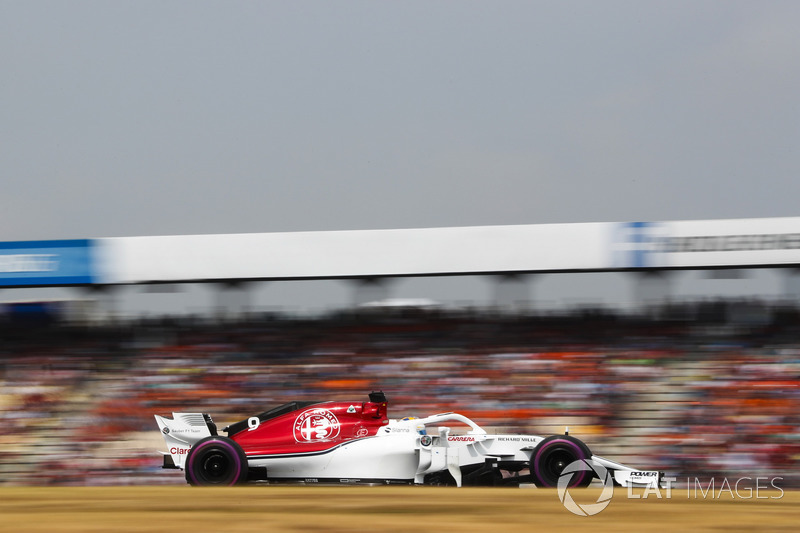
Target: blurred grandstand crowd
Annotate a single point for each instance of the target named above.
(691, 390)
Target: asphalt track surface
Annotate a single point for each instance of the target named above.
(347, 509)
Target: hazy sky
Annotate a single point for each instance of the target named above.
(150, 118)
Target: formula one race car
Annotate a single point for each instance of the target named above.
(355, 443)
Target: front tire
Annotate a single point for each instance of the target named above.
(216, 461)
(553, 455)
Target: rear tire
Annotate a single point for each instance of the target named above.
(216, 461)
(553, 455)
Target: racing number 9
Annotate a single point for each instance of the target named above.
(253, 422)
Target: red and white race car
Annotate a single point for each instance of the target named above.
(355, 443)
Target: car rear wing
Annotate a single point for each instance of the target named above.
(181, 432)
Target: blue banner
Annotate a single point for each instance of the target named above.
(635, 244)
(32, 263)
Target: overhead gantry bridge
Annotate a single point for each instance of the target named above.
(648, 250)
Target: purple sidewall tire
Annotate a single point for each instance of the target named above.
(576, 449)
(221, 445)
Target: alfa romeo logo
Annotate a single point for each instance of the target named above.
(316, 425)
(587, 509)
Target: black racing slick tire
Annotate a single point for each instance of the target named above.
(553, 455)
(216, 461)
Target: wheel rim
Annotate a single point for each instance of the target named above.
(216, 467)
(556, 461)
